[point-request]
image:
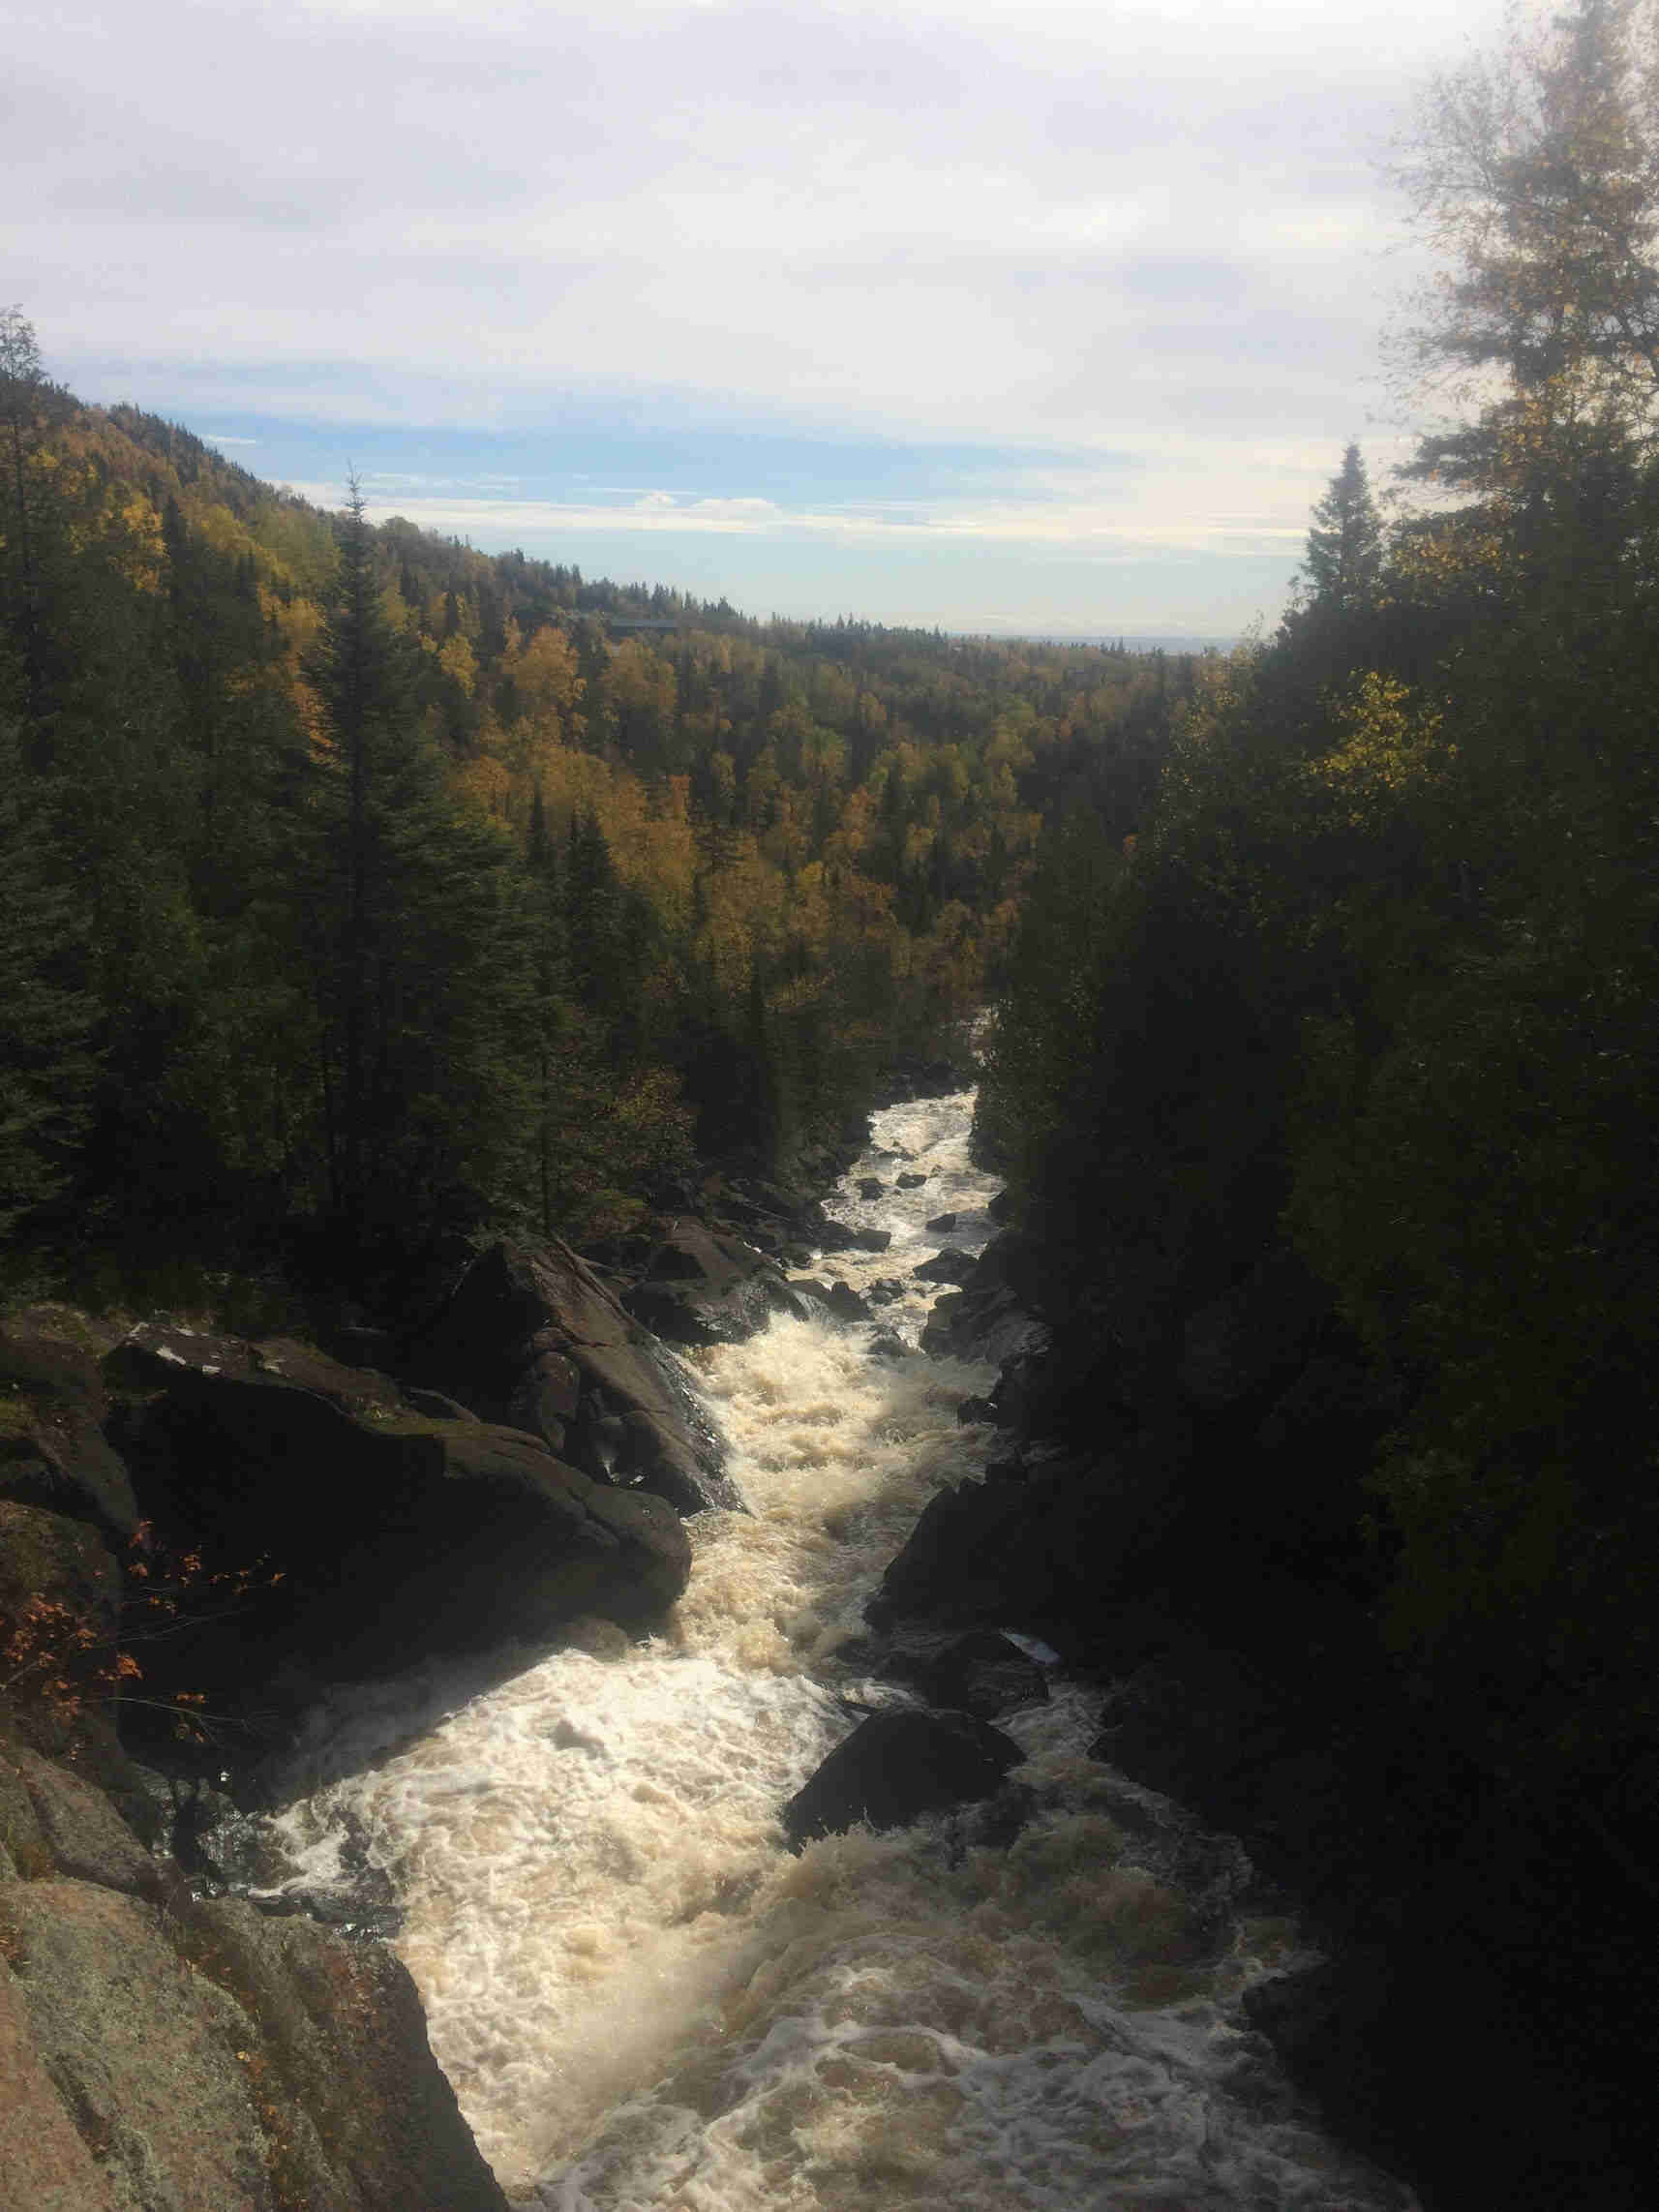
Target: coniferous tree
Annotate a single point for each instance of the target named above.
(48, 1063)
(1345, 544)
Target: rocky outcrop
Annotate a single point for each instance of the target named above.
(395, 1534)
(948, 1266)
(53, 1452)
(531, 1337)
(157, 2050)
(701, 1286)
(897, 1767)
(991, 1316)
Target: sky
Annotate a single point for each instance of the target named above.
(1050, 318)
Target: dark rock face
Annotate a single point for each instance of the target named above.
(872, 1187)
(700, 1287)
(991, 1316)
(946, 1266)
(898, 1766)
(941, 1225)
(984, 1674)
(910, 1180)
(396, 1534)
(887, 1344)
(531, 1337)
(870, 1239)
(54, 1454)
(845, 1303)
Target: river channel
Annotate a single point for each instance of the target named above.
(647, 2004)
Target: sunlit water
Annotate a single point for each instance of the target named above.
(644, 2001)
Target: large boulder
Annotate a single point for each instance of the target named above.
(530, 1336)
(991, 1316)
(53, 1452)
(897, 1767)
(948, 1266)
(395, 1534)
(700, 1287)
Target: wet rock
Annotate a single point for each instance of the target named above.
(941, 1225)
(910, 1181)
(896, 1767)
(946, 1266)
(530, 1331)
(976, 1412)
(886, 1293)
(982, 1673)
(991, 1316)
(872, 1187)
(702, 1288)
(870, 1239)
(845, 1303)
(888, 1344)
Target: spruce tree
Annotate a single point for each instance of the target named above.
(1345, 545)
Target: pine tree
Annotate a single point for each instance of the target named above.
(1345, 545)
(419, 944)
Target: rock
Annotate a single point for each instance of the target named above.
(397, 1535)
(531, 1332)
(835, 1237)
(888, 1344)
(992, 1317)
(870, 1239)
(976, 1412)
(942, 1223)
(1001, 1207)
(442, 1409)
(845, 1303)
(83, 1835)
(982, 1673)
(872, 1187)
(946, 1266)
(911, 1181)
(886, 1293)
(202, 2064)
(701, 1287)
(53, 1452)
(898, 1766)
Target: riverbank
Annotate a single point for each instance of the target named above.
(1182, 1522)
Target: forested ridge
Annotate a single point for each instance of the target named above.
(1330, 1102)
(369, 890)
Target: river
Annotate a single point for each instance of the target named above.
(647, 2004)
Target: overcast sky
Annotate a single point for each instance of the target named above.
(1051, 317)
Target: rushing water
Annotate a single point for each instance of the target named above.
(646, 2005)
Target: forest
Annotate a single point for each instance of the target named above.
(1367, 1011)
(368, 890)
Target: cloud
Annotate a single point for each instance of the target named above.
(1150, 226)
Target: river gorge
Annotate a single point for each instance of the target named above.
(645, 2001)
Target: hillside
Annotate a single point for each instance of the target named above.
(372, 889)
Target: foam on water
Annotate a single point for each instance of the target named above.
(643, 2001)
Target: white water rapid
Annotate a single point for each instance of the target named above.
(646, 2005)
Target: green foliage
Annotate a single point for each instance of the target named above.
(47, 1016)
(1380, 978)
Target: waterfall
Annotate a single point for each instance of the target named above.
(646, 2005)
